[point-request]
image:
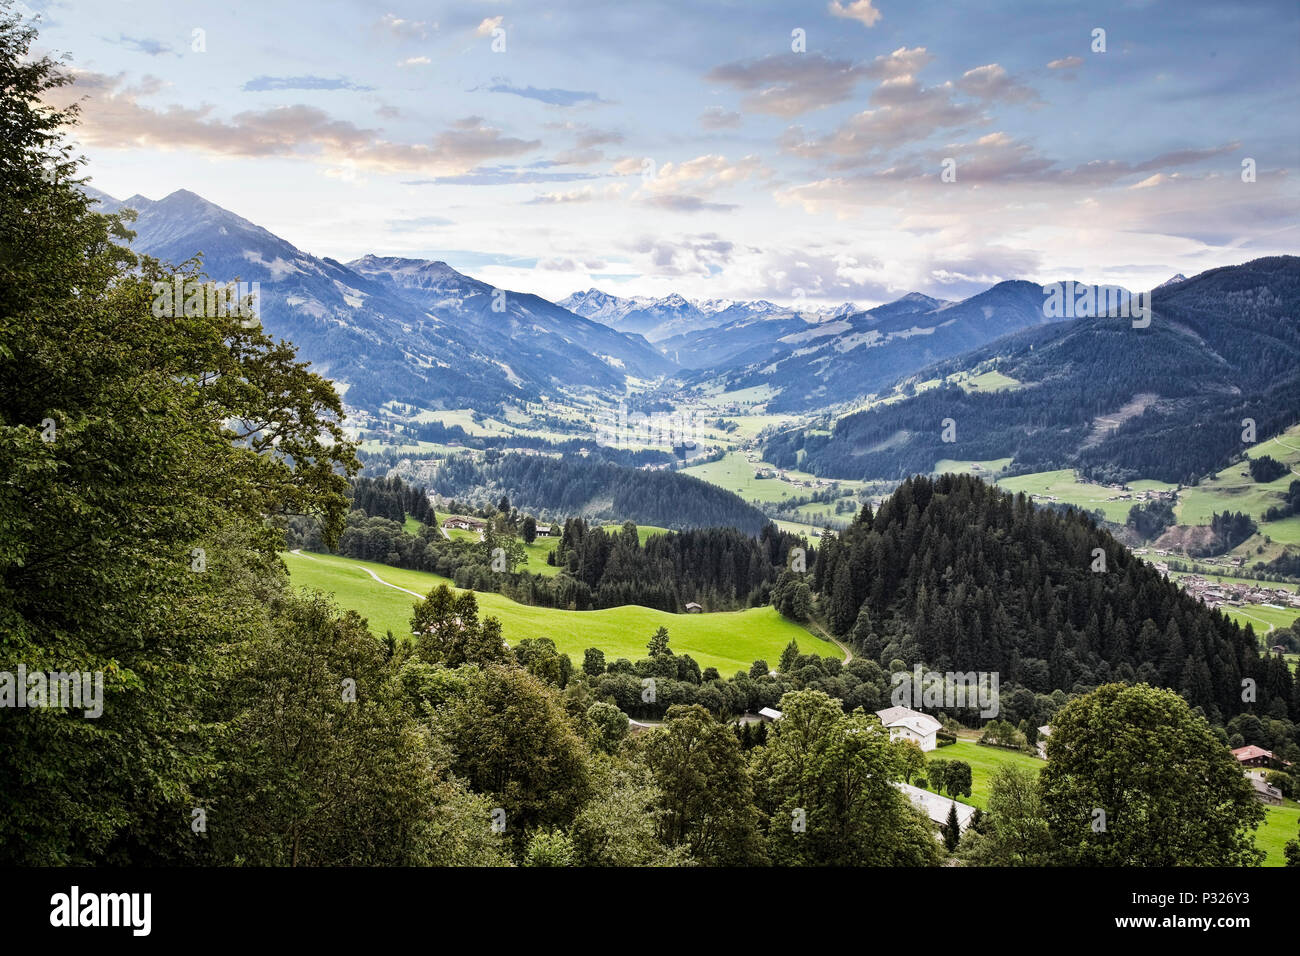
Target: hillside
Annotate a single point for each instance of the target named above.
(392, 329)
(842, 359)
(1165, 402)
(963, 576)
(591, 488)
(729, 640)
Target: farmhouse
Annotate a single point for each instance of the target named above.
(545, 531)
(903, 722)
(464, 524)
(1256, 758)
(770, 714)
(937, 806)
(693, 608)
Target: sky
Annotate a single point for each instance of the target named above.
(803, 152)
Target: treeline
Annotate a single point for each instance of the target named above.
(1266, 468)
(1230, 529)
(1289, 506)
(391, 498)
(596, 489)
(718, 568)
(1150, 520)
(962, 576)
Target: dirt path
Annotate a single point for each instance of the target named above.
(298, 551)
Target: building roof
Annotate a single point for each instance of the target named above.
(913, 720)
(1251, 752)
(936, 806)
(771, 713)
(1045, 730)
(1265, 789)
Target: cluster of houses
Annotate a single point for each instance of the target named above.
(1255, 762)
(1238, 594)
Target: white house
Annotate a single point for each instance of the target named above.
(903, 722)
(1044, 732)
(937, 806)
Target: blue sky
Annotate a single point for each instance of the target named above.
(789, 151)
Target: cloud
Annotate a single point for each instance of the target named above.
(570, 265)
(584, 194)
(262, 84)
(905, 112)
(992, 82)
(790, 84)
(117, 119)
(706, 254)
(715, 117)
(145, 45)
(674, 202)
(901, 62)
(407, 29)
(706, 173)
(415, 61)
(1066, 63)
(500, 176)
(860, 10)
(418, 223)
(554, 97)
(488, 24)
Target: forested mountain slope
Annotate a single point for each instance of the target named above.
(964, 577)
(1221, 347)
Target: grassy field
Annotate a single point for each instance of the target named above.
(729, 641)
(988, 382)
(1234, 490)
(537, 552)
(1068, 489)
(734, 472)
(983, 762)
(643, 531)
(1278, 827)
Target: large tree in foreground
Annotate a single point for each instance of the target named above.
(141, 456)
(1134, 777)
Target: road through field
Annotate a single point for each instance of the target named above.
(368, 571)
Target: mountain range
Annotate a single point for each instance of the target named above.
(395, 329)
(1219, 362)
(419, 332)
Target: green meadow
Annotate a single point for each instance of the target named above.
(728, 640)
(1065, 486)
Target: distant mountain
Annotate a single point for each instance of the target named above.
(531, 332)
(1169, 401)
(672, 316)
(383, 335)
(742, 342)
(1172, 281)
(846, 357)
